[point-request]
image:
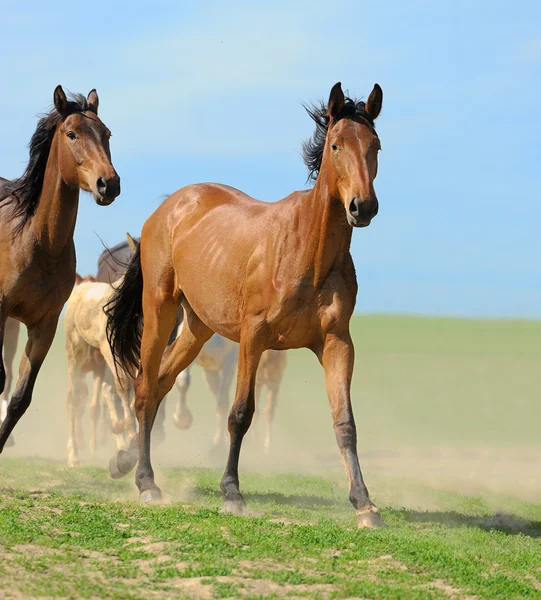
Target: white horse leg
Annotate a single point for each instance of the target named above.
(75, 396)
(108, 394)
(94, 408)
(222, 397)
(182, 417)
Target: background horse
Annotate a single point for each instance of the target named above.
(87, 351)
(267, 275)
(69, 151)
(218, 359)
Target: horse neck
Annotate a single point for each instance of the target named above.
(53, 223)
(327, 235)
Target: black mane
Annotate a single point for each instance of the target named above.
(24, 193)
(312, 148)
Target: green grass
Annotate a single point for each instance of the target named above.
(69, 539)
(448, 414)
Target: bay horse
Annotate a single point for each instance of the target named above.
(266, 275)
(69, 151)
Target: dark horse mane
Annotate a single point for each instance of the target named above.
(24, 192)
(312, 148)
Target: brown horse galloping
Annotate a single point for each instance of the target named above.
(265, 275)
(69, 151)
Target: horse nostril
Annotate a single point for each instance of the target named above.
(354, 207)
(101, 186)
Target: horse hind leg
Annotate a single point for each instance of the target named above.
(157, 376)
(159, 421)
(222, 398)
(94, 408)
(270, 410)
(182, 417)
(75, 396)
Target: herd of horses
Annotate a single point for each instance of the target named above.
(216, 277)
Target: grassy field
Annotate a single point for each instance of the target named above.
(448, 413)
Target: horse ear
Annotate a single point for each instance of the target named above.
(60, 100)
(78, 279)
(374, 102)
(133, 244)
(93, 101)
(336, 101)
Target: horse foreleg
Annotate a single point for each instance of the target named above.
(75, 396)
(222, 397)
(122, 384)
(108, 395)
(273, 388)
(182, 417)
(94, 408)
(40, 338)
(337, 359)
(240, 418)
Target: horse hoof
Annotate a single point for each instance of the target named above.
(235, 507)
(151, 496)
(184, 420)
(121, 464)
(369, 518)
(73, 462)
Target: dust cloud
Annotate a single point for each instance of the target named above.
(462, 417)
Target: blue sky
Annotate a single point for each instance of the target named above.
(212, 92)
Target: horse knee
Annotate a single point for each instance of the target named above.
(240, 418)
(18, 405)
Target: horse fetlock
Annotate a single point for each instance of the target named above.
(73, 460)
(183, 418)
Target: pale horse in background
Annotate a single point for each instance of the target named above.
(218, 359)
(87, 351)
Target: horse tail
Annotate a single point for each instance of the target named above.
(125, 318)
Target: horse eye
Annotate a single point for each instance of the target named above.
(335, 147)
(71, 135)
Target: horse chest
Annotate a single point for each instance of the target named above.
(39, 292)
